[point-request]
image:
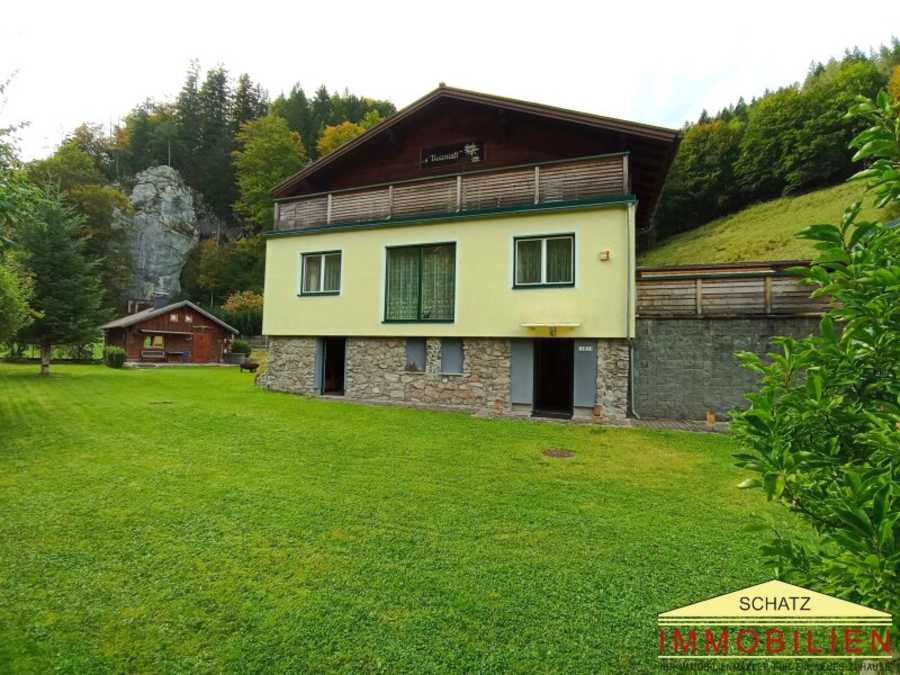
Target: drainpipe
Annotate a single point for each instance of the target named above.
(629, 229)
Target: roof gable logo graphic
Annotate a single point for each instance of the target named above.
(774, 602)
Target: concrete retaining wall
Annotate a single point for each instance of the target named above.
(685, 367)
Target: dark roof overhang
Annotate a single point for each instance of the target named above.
(648, 132)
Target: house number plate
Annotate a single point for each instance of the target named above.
(585, 348)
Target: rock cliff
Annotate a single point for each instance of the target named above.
(162, 231)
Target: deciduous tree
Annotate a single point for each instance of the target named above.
(334, 136)
(268, 153)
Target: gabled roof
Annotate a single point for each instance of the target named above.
(647, 131)
(138, 317)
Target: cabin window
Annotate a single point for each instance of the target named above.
(421, 283)
(545, 261)
(188, 318)
(451, 356)
(321, 273)
(173, 318)
(154, 342)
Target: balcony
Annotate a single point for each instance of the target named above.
(545, 183)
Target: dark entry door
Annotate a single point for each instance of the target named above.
(554, 369)
(333, 366)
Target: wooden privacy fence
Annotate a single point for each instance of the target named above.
(725, 290)
(541, 183)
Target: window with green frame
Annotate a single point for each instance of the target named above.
(544, 261)
(421, 283)
(320, 273)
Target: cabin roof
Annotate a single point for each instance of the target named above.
(144, 315)
(665, 136)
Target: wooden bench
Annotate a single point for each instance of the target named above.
(153, 355)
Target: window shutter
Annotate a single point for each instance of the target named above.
(452, 356)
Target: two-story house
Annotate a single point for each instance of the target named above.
(471, 252)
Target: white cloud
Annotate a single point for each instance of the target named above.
(655, 62)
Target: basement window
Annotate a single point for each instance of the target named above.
(415, 355)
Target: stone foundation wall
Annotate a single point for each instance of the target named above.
(376, 372)
(613, 367)
(291, 366)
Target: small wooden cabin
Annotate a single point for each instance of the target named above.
(180, 332)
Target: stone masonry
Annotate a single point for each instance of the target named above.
(291, 366)
(376, 371)
(613, 367)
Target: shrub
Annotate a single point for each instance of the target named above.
(114, 357)
(240, 347)
(241, 310)
(243, 301)
(822, 433)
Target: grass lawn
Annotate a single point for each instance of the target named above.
(167, 520)
(764, 231)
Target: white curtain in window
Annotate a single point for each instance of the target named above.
(559, 261)
(438, 277)
(402, 284)
(332, 272)
(312, 273)
(528, 261)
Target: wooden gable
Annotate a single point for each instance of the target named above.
(507, 132)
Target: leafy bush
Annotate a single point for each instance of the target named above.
(114, 357)
(823, 430)
(240, 347)
(243, 301)
(247, 320)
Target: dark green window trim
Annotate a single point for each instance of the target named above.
(419, 247)
(561, 284)
(321, 254)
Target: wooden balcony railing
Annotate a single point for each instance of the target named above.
(726, 290)
(543, 183)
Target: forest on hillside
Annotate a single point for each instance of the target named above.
(231, 142)
(787, 141)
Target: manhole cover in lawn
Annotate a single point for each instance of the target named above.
(559, 452)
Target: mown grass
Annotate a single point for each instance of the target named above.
(173, 520)
(764, 231)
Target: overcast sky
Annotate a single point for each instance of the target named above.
(660, 63)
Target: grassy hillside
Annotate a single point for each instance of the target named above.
(761, 232)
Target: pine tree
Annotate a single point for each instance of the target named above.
(216, 180)
(66, 290)
(250, 102)
(187, 121)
